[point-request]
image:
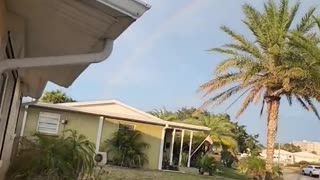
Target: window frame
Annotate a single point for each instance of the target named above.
(58, 124)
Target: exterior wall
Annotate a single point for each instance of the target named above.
(84, 124)
(151, 134)
(88, 125)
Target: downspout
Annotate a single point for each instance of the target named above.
(21, 63)
(25, 115)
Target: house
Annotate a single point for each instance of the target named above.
(280, 156)
(285, 157)
(312, 147)
(306, 156)
(98, 120)
(45, 40)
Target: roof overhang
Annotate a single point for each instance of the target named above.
(146, 118)
(57, 40)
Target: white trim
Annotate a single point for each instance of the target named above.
(8, 64)
(172, 146)
(99, 134)
(58, 116)
(161, 148)
(25, 114)
(132, 8)
(181, 146)
(190, 148)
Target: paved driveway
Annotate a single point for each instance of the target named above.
(295, 176)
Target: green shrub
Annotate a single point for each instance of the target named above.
(47, 157)
(207, 164)
(254, 167)
(127, 148)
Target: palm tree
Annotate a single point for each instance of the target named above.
(269, 67)
(127, 148)
(164, 114)
(221, 129)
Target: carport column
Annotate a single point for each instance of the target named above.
(181, 146)
(190, 148)
(99, 134)
(161, 147)
(171, 146)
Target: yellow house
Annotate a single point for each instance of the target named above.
(100, 119)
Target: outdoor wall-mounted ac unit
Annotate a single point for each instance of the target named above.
(101, 158)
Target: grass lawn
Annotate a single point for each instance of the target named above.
(117, 173)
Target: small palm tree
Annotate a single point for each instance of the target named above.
(269, 67)
(46, 157)
(127, 148)
(221, 129)
(164, 114)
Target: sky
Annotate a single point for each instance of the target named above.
(162, 59)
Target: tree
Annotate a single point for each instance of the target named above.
(271, 66)
(246, 143)
(164, 114)
(288, 147)
(127, 148)
(46, 157)
(56, 97)
(221, 129)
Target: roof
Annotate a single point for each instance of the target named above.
(143, 117)
(62, 28)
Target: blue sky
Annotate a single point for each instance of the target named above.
(161, 60)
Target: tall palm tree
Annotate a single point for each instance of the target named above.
(268, 67)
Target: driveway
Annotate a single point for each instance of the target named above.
(296, 176)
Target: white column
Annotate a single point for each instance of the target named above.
(172, 146)
(25, 114)
(161, 148)
(181, 146)
(190, 148)
(99, 134)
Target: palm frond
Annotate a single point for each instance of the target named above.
(312, 107)
(220, 82)
(244, 44)
(306, 22)
(248, 100)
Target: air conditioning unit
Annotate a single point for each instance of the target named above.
(101, 158)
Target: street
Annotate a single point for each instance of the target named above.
(296, 176)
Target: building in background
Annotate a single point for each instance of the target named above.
(46, 40)
(286, 157)
(312, 147)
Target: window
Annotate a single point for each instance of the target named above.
(48, 123)
(126, 127)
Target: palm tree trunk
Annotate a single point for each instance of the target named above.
(273, 104)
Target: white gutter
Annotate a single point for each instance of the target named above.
(20, 63)
(132, 8)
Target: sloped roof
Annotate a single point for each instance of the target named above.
(47, 28)
(141, 116)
